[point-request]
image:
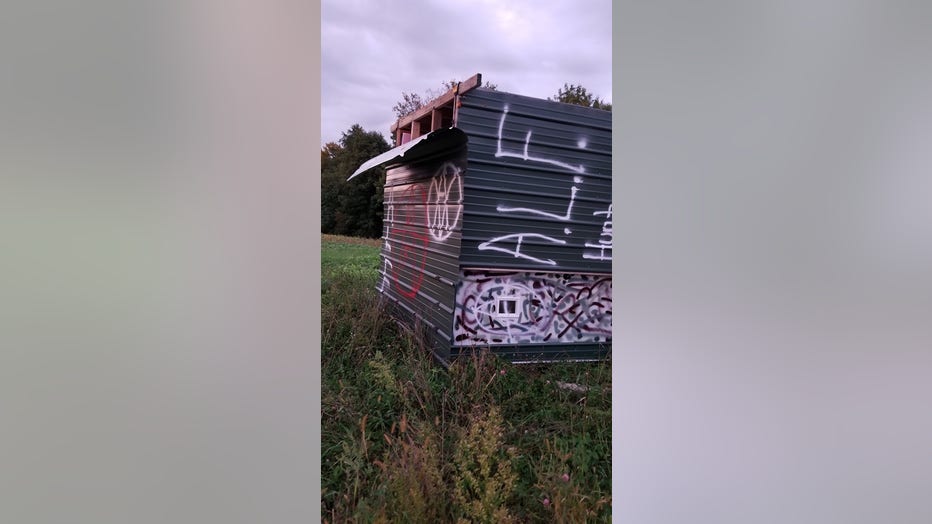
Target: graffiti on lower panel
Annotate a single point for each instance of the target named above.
(528, 308)
(446, 198)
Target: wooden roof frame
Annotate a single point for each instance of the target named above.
(413, 123)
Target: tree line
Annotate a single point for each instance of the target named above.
(352, 207)
(355, 207)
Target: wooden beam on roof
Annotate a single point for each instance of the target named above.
(471, 83)
(439, 102)
(442, 100)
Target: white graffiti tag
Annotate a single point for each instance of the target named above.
(564, 217)
(605, 240)
(493, 313)
(516, 308)
(445, 198)
(512, 243)
(389, 220)
(519, 237)
(524, 154)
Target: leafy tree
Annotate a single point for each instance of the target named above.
(329, 152)
(409, 103)
(329, 185)
(353, 207)
(579, 95)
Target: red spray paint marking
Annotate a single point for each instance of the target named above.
(414, 234)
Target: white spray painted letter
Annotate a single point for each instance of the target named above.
(605, 240)
(499, 152)
(564, 217)
(519, 237)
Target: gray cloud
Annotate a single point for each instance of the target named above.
(373, 51)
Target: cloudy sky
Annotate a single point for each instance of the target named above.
(373, 50)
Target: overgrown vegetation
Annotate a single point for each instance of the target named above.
(404, 440)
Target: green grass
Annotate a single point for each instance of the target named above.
(349, 260)
(404, 440)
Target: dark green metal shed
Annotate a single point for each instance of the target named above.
(498, 225)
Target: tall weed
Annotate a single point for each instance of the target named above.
(412, 475)
(484, 479)
(405, 440)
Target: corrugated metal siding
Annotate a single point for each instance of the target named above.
(422, 235)
(533, 353)
(538, 192)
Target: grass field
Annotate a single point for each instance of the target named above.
(404, 440)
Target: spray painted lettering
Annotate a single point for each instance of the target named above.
(387, 254)
(564, 217)
(499, 152)
(605, 240)
(518, 238)
(601, 251)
